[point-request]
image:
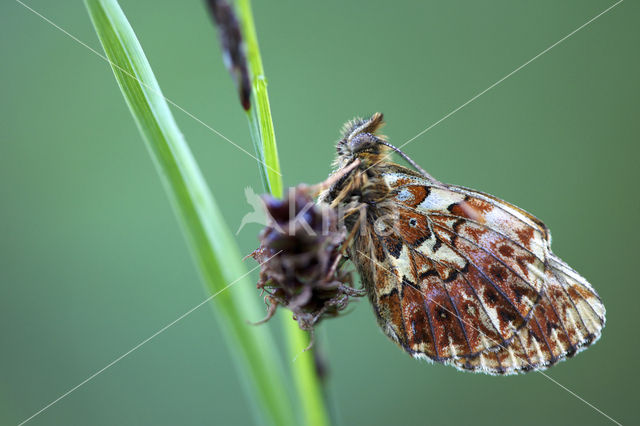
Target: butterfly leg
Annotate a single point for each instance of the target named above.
(273, 305)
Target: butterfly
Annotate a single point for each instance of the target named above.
(455, 275)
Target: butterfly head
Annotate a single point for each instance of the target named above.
(360, 140)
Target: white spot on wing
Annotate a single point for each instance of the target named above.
(404, 195)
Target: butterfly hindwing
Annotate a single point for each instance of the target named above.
(569, 317)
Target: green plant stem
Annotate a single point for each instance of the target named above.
(305, 377)
(216, 254)
(260, 112)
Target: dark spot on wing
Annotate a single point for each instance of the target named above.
(452, 276)
(506, 315)
(429, 273)
(518, 294)
(457, 224)
(441, 313)
(393, 245)
(419, 241)
(408, 283)
(437, 244)
(535, 336)
(498, 272)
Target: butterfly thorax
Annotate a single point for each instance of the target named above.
(362, 197)
(360, 193)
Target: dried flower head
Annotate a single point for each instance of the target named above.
(301, 260)
(233, 50)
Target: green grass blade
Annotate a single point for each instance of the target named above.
(307, 382)
(210, 241)
(260, 113)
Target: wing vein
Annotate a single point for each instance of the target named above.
(487, 251)
(455, 308)
(484, 309)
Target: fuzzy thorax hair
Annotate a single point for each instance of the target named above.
(359, 139)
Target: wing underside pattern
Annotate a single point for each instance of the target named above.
(463, 278)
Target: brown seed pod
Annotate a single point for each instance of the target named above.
(300, 253)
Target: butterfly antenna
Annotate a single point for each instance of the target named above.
(409, 160)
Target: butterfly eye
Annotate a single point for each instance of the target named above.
(362, 142)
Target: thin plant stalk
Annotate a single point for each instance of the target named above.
(307, 382)
(260, 112)
(209, 239)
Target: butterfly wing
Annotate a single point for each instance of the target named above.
(461, 277)
(568, 318)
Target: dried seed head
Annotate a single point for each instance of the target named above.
(233, 51)
(301, 259)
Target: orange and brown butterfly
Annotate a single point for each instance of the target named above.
(455, 275)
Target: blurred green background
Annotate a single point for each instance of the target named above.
(93, 262)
